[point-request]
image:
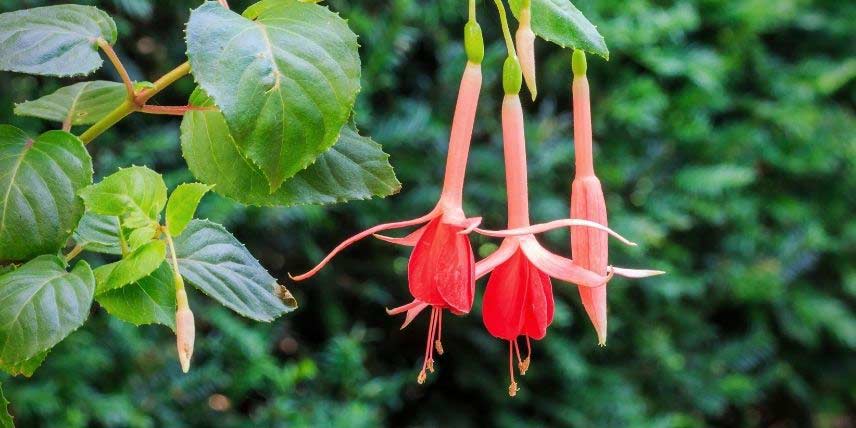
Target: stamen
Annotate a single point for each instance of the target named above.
(438, 344)
(512, 388)
(428, 362)
(524, 365)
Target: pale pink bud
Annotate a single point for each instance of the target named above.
(185, 334)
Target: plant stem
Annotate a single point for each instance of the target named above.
(134, 104)
(120, 68)
(472, 10)
(172, 110)
(73, 253)
(506, 31)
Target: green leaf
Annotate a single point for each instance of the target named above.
(54, 40)
(560, 22)
(143, 235)
(182, 204)
(83, 103)
(355, 168)
(39, 181)
(212, 260)
(150, 300)
(137, 194)
(40, 304)
(139, 264)
(286, 82)
(25, 368)
(5, 418)
(98, 233)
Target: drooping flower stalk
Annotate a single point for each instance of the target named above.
(441, 268)
(525, 39)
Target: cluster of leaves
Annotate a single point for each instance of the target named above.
(723, 130)
(268, 125)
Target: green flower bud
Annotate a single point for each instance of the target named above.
(512, 76)
(474, 42)
(578, 63)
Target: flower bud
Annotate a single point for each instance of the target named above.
(525, 39)
(512, 77)
(185, 334)
(473, 42)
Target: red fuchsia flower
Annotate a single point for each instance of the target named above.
(518, 300)
(589, 246)
(440, 273)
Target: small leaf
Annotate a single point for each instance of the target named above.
(137, 194)
(83, 103)
(286, 82)
(212, 260)
(150, 300)
(182, 204)
(41, 304)
(54, 40)
(39, 181)
(5, 418)
(355, 168)
(143, 235)
(98, 233)
(139, 264)
(560, 22)
(25, 368)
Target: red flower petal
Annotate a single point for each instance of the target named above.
(441, 267)
(539, 304)
(505, 298)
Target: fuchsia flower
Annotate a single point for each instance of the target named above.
(518, 300)
(441, 269)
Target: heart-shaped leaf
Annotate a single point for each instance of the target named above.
(286, 81)
(182, 204)
(560, 22)
(355, 168)
(24, 368)
(82, 103)
(40, 304)
(212, 260)
(54, 40)
(150, 300)
(39, 181)
(98, 233)
(137, 265)
(136, 194)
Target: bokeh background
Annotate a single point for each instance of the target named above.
(726, 142)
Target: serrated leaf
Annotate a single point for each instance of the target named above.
(25, 368)
(5, 418)
(355, 168)
(560, 22)
(137, 194)
(143, 235)
(212, 260)
(137, 265)
(40, 304)
(150, 300)
(83, 103)
(54, 40)
(39, 181)
(182, 205)
(98, 233)
(286, 82)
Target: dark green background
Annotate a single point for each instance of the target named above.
(726, 142)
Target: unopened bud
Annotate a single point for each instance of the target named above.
(185, 333)
(473, 42)
(525, 39)
(512, 79)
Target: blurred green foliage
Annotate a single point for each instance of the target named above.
(726, 140)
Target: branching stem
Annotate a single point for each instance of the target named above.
(120, 68)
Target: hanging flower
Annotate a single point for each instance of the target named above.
(519, 296)
(441, 269)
